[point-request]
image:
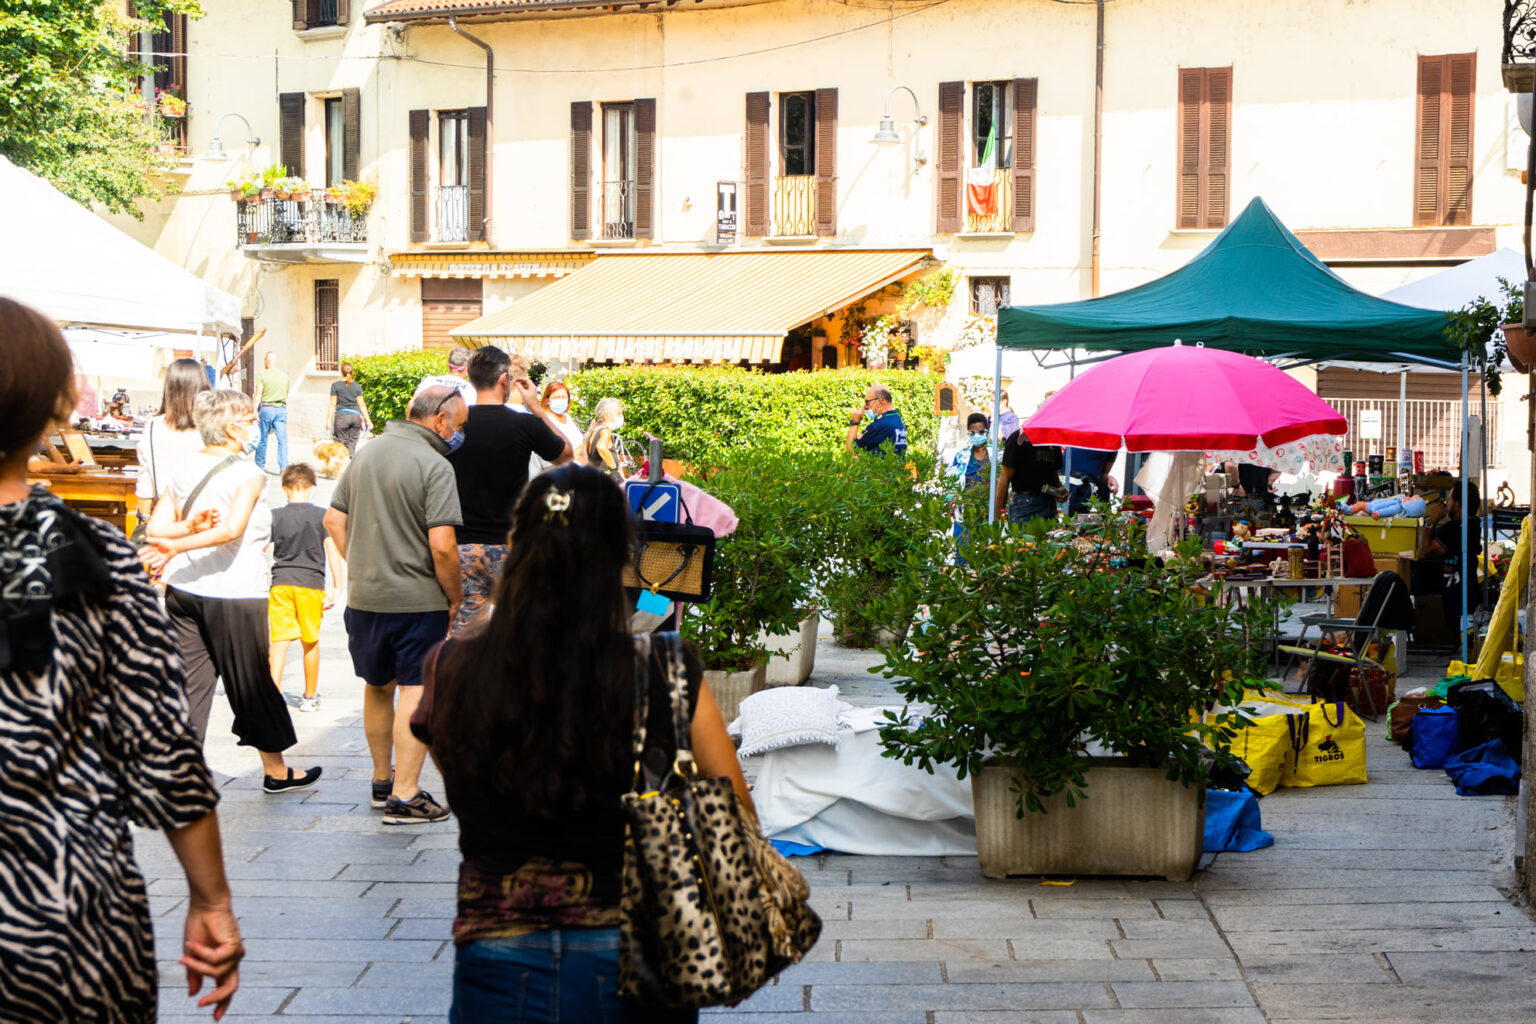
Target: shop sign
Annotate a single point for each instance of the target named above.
(1370, 424)
(725, 213)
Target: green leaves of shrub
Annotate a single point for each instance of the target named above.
(390, 380)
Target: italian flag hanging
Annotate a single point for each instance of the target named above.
(981, 180)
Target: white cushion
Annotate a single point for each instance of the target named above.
(787, 716)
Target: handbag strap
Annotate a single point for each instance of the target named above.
(186, 506)
(642, 702)
(676, 671)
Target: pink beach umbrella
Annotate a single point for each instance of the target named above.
(1186, 398)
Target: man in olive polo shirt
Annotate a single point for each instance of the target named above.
(395, 515)
(272, 412)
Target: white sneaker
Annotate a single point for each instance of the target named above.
(309, 703)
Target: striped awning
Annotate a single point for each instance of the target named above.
(688, 307)
(487, 264)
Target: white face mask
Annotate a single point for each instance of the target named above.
(559, 404)
(618, 424)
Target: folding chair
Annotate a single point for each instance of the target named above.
(1386, 607)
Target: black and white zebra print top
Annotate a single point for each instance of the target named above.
(95, 739)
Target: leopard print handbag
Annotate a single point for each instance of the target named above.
(710, 911)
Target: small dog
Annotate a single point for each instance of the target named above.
(333, 458)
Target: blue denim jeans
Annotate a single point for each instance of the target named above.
(270, 419)
(1024, 507)
(558, 976)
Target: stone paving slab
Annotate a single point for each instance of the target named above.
(1383, 895)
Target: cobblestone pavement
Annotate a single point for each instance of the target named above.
(1377, 903)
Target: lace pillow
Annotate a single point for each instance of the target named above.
(787, 716)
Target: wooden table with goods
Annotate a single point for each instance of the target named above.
(105, 494)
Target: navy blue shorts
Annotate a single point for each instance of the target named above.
(389, 647)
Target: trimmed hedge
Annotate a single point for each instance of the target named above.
(389, 381)
(702, 413)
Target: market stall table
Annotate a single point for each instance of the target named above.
(105, 494)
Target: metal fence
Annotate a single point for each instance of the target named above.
(794, 205)
(1433, 427)
(1002, 218)
(453, 213)
(287, 221)
(619, 209)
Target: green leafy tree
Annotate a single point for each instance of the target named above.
(68, 106)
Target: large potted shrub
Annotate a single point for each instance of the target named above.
(1045, 648)
(1490, 329)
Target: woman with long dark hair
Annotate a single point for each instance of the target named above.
(531, 724)
(171, 437)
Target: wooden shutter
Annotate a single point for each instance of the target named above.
(1428, 153)
(757, 165)
(419, 121)
(290, 113)
(351, 131)
(343, 12)
(951, 103)
(645, 168)
(1191, 152)
(1218, 146)
(1460, 111)
(447, 303)
(1025, 99)
(1442, 173)
(826, 161)
(475, 211)
(581, 170)
(179, 53)
(300, 15)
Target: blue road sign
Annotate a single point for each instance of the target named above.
(659, 502)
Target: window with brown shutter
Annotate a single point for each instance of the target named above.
(826, 162)
(300, 15)
(1442, 180)
(757, 165)
(581, 170)
(419, 122)
(320, 13)
(327, 325)
(1025, 99)
(951, 104)
(1205, 148)
(352, 131)
(475, 211)
(447, 303)
(290, 113)
(645, 168)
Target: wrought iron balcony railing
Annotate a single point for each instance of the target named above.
(794, 205)
(291, 221)
(619, 209)
(1519, 31)
(453, 213)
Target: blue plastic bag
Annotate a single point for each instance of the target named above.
(1432, 737)
(1232, 822)
(1484, 769)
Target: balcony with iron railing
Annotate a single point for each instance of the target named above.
(1519, 54)
(452, 213)
(1000, 220)
(297, 225)
(619, 209)
(794, 205)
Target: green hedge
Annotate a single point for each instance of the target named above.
(390, 380)
(701, 413)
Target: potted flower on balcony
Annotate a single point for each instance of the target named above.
(291, 188)
(1046, 648)
(357, 197)
(170, 104)
(246, 189)
(1490, 329)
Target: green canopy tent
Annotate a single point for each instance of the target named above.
(1255, 289)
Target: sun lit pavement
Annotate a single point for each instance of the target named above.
(1377, 903)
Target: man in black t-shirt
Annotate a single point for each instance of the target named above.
(1034, 473)
(491, 468)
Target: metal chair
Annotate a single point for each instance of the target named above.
(1387, 607)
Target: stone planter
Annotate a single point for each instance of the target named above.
(1519, 346)
(731, 688)
(1134, 822)
(801, 648)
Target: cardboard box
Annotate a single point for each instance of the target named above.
(1399, 564)
(1347, 598)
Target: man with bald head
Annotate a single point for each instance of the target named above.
(272, 411)
(395, 516)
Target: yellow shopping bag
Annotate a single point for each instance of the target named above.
(1326, 747)
(1264, 747)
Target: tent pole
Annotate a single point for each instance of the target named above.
(1484, 522)
(1402, 420)
(1466, 431)
(997, 406)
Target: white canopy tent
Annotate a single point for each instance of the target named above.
(69, 263)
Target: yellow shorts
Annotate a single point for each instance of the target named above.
(294, 613)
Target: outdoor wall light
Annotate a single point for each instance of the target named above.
(886, 135)
(216, 146)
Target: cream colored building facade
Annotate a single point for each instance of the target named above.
(651, 107)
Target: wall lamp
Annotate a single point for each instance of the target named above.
(886, 135)
(216, 146)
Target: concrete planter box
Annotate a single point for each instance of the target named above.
(801, 648)
(1134, 822)
(731, 688)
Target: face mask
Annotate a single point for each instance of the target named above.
(456, 440)
(559, 405)
(977, 440)
(618, 424)
(248, 446)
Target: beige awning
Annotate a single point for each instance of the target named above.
(687, 307)
(487, 264)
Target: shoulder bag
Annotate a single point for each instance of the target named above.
(674, 560)
(710, 911)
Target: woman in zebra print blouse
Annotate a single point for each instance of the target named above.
(93, 725)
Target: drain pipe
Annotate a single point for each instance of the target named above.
(490, 109)
(1098, 146)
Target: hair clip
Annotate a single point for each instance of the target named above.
(556, 502)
